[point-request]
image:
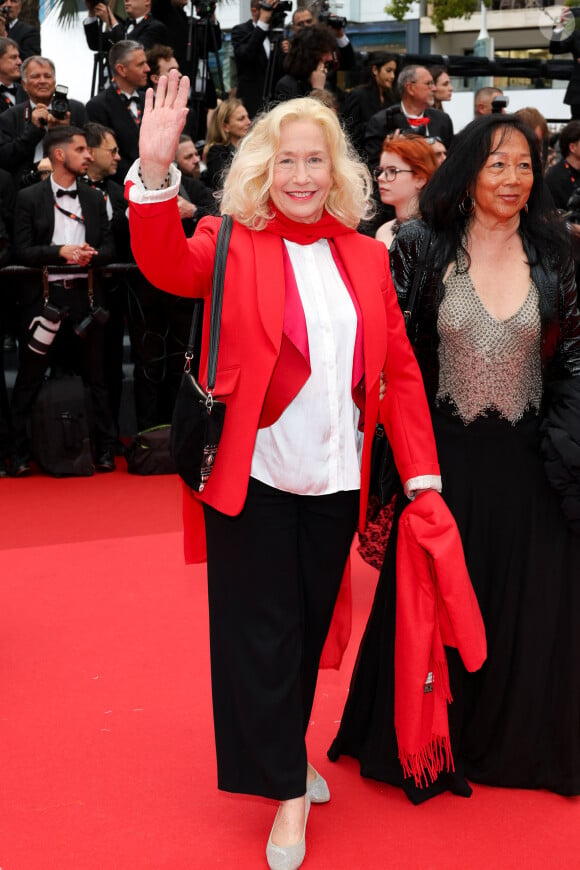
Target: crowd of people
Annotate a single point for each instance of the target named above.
(334, 236)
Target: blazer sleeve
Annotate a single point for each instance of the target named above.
(27, 249)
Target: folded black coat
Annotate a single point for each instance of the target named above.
(561, 446)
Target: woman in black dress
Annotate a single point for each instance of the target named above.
(497, 335)
(375, 92)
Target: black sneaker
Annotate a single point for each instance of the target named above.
(19, 465)
(105, 461)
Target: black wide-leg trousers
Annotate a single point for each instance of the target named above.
(274, 572)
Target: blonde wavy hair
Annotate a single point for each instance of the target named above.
(246, 193)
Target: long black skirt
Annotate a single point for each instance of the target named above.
(516, 722)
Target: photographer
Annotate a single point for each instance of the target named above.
(139, 26)
(259, 52)
(59, 222)
(23, 127)
(24, 35)
(345, 52)
(312, 55)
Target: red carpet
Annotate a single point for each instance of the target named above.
(107, 758)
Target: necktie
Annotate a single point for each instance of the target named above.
(60, 192)
(417, 122)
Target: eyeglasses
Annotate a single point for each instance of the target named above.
(430, 140)
(390, 172)
(113, 151)
(430, 83)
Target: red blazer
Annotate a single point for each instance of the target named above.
(251, 333)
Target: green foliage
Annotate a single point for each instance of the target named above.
(441, 10)
(68, 10)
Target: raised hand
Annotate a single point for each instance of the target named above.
(163, 120)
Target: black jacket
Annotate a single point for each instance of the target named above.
(27, 37)
(111, 110)
(560, 318)
(148, 32)
(252, 64)
(19, 136)
(570, 45)
(34, 228)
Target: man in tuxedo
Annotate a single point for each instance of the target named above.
(24, 35)
(11, 91)
(120, 105)
(139, 26)
(100, 171)
(23, 127)
(415, 113)
(59, 222)
(257, 57)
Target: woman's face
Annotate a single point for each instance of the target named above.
(504, 183)
(302, 172)
(238, 125)
(405, 186)
(385, 75)
(443, 88)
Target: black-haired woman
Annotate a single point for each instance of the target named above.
(311, 57)
(497, 335)
(375, 92)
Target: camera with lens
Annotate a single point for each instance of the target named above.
(60, 105)
(278, 13)
(5, 11)
(498, 104)
(572, 211)
(96, 315)
(43, 329)
(337, 22)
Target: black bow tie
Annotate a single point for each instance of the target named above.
(134, 99)
(102, 184)
(8, 89)
(131, 22)
(60, 192)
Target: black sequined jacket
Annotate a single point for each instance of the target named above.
(560, 317)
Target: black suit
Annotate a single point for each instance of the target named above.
(112, 110)
(20, 97)
(33, 246)
(252, 64)
(359, 106)
(27, 37)
(386, 121)
(571, 45)
(148, 32)
(19, 136)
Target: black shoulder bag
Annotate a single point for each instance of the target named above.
(198, 418)
(384, 478)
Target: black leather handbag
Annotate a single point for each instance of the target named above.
(198, 417)
(384, 477)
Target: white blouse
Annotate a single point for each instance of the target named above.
(314, 448)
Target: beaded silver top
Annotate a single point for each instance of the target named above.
(487, 364)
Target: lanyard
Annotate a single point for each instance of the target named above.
(70, 214)
(125, 99)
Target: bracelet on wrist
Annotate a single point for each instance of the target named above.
(165, 183)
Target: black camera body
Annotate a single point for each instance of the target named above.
(283, 6)
(337, 22)
(5, 11)
(96, 315)
(60, 105)
(498, 104)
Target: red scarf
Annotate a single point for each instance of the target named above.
(436, 606)
(327, 227)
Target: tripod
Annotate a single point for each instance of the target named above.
(276, 36)
(100, 68)
(203, 40)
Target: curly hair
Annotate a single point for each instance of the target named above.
(246, 193)
(306, 49)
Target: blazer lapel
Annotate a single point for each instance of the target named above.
(368, 286)
(270, 284)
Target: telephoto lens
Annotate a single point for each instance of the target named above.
(43, 329)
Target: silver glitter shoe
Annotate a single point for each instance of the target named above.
(318, 790)
(287, 857)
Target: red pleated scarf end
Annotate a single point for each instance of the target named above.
(426, 764)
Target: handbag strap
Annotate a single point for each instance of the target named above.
(219, 271)
(412, 297)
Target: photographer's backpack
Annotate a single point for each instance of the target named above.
(61, 425)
